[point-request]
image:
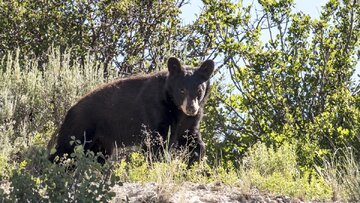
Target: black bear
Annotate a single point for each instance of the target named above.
(116, 114)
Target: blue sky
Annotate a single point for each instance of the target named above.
(311, 7)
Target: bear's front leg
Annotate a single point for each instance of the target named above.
(197, 152)
(186, 135)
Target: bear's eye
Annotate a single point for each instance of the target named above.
(182, 91)
(199, 91)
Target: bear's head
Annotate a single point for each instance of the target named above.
(188, 87)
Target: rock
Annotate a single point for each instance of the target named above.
(201, 187)
(295, 200)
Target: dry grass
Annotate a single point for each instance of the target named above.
(342, 172)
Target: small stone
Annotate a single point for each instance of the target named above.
(279, 200)
(286, 199)
(260, 199)
(201, 187)
(268, 200)
(295, 200)
(242, 198)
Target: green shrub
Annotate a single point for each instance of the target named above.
(80, 179)
(33, 103)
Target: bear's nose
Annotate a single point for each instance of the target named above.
(191, 109)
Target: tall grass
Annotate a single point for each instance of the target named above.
(277, 171)
(266, 169)
(342, 172)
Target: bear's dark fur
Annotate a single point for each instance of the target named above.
(116, 114)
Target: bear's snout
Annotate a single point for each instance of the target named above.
(191, 110)
(190, 106)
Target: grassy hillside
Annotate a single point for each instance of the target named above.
(33, 103)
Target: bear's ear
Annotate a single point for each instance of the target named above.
(206, 69)
(174, 66)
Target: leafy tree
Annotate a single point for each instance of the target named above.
(135, 35)
(290, 74)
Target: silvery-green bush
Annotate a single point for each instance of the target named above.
(33, 101)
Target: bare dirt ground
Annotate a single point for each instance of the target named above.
(191, 193)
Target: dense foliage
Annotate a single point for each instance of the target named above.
(127, 33)
(283, 104)
(292, 86)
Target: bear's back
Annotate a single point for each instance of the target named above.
(122, 109)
